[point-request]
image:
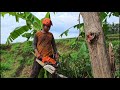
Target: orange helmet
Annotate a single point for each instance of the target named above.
(47, 22)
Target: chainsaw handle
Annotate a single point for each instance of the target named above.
(40, 62)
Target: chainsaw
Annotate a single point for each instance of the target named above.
(49, 67)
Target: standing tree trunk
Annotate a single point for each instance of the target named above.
(96, 44)
(112, 58)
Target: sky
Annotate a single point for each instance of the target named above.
(61, 22)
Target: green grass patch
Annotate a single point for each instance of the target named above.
(74, 59)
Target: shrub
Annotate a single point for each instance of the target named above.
(76, 64)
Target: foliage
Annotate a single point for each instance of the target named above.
(74, 60)
(114, 28)
(103, 19)
(113, 37)
(5, 66)
(116, 50)
(76, 64)
(79, 27)
(32, 23)
(27, 47)
(117, 59)
(16, 32)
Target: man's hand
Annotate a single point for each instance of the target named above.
(56, 56)
(37, 54)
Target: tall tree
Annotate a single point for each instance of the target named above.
(96, 44)
(94, 23)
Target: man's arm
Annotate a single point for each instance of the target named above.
(35, 40)
(56, 54)
(54, 45)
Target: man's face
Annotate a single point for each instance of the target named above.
(46, 28)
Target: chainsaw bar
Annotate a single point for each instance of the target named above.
(50, 68)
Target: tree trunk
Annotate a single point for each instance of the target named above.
(96, 45)
(112, 59)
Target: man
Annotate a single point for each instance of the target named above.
(44, 45)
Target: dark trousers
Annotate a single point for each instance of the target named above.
(36, 69)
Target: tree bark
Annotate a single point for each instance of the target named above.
(96, 45)
(112, 59)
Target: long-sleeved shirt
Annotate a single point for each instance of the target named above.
(44, 43)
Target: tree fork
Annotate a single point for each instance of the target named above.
(96, 45)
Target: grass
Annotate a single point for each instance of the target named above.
(74, 59)
(12, 59)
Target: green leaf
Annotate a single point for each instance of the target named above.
(47, 15)
(45, 74)
(27, 35)
(83, 48)
(11, 39)
(17, 18)
(12, 13)
(65, 32)
(34, 21)
(30, 17)
(105, 27)
(28, 23)
(117, 14)
(36, 26)
(74, 55)
(16, 33)
(76, 26)
(103, 16)
(31, 20)
(4, 13)
(79, 26)
(27, 14)
(110, 14)
(41, 25)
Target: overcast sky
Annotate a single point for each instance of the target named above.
(61, 22)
